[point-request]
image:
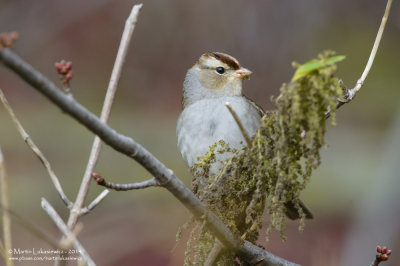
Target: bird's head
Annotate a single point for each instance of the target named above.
(213, 75)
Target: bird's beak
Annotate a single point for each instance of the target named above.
(243, 73)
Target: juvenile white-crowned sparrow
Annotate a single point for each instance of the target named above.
(216, 78)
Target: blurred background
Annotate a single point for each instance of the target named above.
(353, 194)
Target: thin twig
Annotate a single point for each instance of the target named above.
(371, 58)
(68, 241)
(125, 187)
(6, 216)
(375, 262)
(350, 94)
(28, 140)
(105, 113)
(214, 253)
(31, 228)
(218, 247)
(239, 123)
(65, 230)
(95, 202)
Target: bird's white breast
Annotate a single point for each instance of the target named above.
(208, 121)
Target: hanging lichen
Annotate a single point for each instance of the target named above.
(275, 168)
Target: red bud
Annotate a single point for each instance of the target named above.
(384, 249)
(68, 65)
(68, 76)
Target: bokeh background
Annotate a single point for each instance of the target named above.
(354, 193)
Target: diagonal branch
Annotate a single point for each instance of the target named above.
(239, 123)
(351, 93)
(28, 140)
(375, 47)
(65, 230)
(31, 227)
(105, 113)
(123, 144)
(94, 203)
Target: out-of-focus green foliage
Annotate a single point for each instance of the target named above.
(275, 168)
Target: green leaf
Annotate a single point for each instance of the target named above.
(315, 64)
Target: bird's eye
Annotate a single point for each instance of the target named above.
(220, 70)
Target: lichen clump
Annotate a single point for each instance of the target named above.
(275, 168)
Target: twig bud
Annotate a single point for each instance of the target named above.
(8, 39)
(98, 178)
(383, 253)
(64, 70)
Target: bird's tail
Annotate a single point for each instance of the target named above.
(292, 212)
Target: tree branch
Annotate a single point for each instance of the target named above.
(214, 253)
(123, 144)
(65, 230)
(125, 187)
(31, 228)
(239, 123)
(130, 23)
(94, 203)
(28, 140)
(350, 94)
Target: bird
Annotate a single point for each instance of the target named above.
(215, 79)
